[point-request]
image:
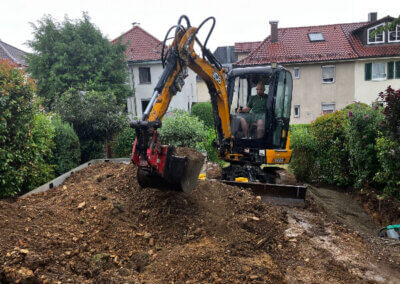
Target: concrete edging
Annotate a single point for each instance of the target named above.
(59, 180)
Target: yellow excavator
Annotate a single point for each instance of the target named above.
(250, 150)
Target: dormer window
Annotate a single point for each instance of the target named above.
(394, 35)
(316, 37)
(375, 35)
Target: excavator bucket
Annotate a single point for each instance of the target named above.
(180, 172)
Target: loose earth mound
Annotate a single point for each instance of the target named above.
(100, 226)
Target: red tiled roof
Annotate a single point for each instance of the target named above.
(246, 46)
(294, 46)
(375, 50)
(141, 46)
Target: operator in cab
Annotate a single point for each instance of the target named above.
(257, 107)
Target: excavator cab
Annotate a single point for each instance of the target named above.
(256, 133)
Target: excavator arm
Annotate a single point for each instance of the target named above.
(158, 165)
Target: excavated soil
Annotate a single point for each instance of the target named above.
(100, 226)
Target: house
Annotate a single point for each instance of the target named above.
(332, 65)
(242, 49)
(226, 56)
(143, 57)
(15, 55)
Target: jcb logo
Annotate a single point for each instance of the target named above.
(217, 77)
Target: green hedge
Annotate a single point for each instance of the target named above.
(25, 134)
(204, 112)
(67, 152)
(352, 147)
(122, 148)
(182, 130)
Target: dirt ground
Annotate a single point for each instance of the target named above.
(100, 226)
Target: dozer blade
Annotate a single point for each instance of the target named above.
(277, 194)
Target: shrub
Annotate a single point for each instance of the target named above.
(204, 112)
(362, 132)
(388, 154)
(304, 155)
(391, 99)
(182, 130)
(295, 128)
(67, 153)
(206, 145)
(332, 154)
(41, 169)
(24, 146)
(124, 143)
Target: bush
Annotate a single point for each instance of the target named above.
(362, 132)
(391, 98)
(304, 155)
(332, 154)
(24, 146)
(388, 154)
(182, 130)
(204, 112)
(294, 128)
(42, 171)
(67, 153)
(206, 145)
(124, 143)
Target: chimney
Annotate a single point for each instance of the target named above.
(372, 17)
(274, 31)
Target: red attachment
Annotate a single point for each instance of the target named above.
(156, 155)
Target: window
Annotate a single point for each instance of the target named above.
(397, 69)
(145, 103)
(390, 70)
(316, 37)
(394, 35)
(144, 75)
(296, 72)
(378, 71)
(375, 36)
(328, 108)
(296, 110)
(328, 74)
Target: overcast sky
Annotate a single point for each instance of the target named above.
(237, 20)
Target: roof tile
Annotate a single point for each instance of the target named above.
(141, 46)
(294, 46)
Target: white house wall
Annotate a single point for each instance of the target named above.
(143, 91)
(368, 91)
(310, 93)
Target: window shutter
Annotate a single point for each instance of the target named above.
(368, 71)
(390, 66)
(397, 69)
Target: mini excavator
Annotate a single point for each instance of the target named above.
(252, 157)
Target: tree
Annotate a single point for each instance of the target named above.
(25, 134)
(75, 55)
(96, 118)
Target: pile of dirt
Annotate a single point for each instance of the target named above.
(100, 226)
